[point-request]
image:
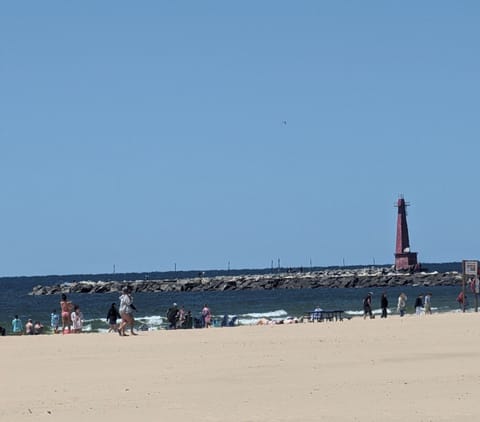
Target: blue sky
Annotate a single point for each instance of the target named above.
(152, 135)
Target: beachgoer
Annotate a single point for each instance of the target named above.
(126, 312)
(3, 331)
(367, 306)
(66, 307)
(462, 301)
(188, 320)
(29, 327)
(37, 327)
(17, 326)
(54, 321)
(206, 316)
(384, 305)
(77, 319)
(181, 318)
(428, 303)
(402, 304)
(418, 304)
(316, 315)
(172, 317)
(112, 317)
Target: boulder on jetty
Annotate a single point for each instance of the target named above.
(375, 277)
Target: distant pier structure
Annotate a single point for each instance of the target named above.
(404, 259)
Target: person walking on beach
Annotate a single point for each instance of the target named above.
(419, 304)
(17, 325)
(427, 305)
(112, 317)
(402, 304)
(66, 307)
(206, 316)
(54, 321)
(367, 306)
(384, 305)
(126, 312)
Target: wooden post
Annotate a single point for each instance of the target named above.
(476, 288)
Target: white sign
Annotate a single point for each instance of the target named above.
(470, 267)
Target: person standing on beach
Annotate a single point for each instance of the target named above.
(126, 312)
(206, 316)
(367, 306)
(402, 304)
(172, 317)
(54, 321)
(17, 325)
(77, 319)
(29, 327)
(419, 304)
(112, 317)
(428, 304)
(384, 305)
(66, 307)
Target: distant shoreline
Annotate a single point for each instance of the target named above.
(355, 278)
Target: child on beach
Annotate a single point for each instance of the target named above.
(112, 317)
(54, 321)
(77, 319)
(462, 301)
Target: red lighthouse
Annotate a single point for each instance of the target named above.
(404, 259)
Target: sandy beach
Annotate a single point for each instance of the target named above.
(413, 368)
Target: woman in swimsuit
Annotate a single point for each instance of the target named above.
(126, 312)
(66, 307)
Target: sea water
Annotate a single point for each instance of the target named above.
(249, 306)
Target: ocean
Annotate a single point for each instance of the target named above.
(249, 306)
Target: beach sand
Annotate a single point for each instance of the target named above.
(413, 368)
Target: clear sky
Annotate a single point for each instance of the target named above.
(196, 133)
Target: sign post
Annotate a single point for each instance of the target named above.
(470, 269)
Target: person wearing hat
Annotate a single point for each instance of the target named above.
(126, 312)
(367, 306)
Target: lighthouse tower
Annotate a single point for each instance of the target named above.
(404, 259)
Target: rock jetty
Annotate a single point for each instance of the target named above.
(361, 278)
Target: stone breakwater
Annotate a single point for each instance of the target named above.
(301, 280)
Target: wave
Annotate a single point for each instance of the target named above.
(272, 314)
